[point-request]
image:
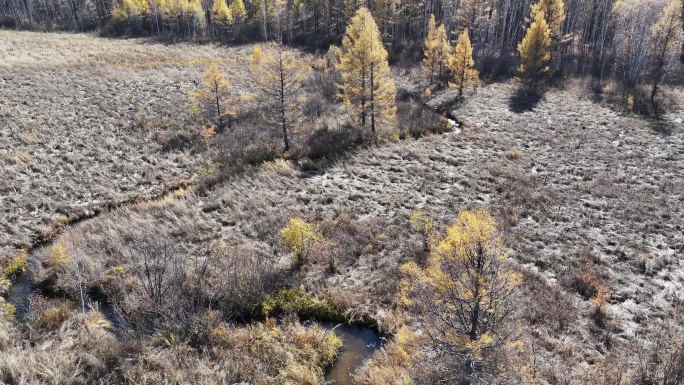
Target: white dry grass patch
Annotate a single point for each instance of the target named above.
(67, 135)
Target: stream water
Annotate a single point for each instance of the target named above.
(358, 344)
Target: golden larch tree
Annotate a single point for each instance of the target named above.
(237, 7)
(462, 64)
(534, 53)
(279, 76)
(464, 294)
(214, 95)
(367, 87)
(436, 51)
(299, 236)
(221, 14)
(554, 14)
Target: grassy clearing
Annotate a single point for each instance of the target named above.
(69, 108)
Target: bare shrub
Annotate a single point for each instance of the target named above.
(546, 305)
(417, 120)
(326, 142)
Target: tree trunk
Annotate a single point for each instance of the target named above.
(372, 101)
(282, 105)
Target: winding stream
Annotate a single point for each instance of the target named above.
(358, 344)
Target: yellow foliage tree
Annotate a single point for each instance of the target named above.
(138, 8)
(279, 76)
(298, 236)
(195, 12)
(462, 64)
(464, 293)
(221, 13)
(424, 224)
(554, 15)
(534, 53)
(237, 8)
(214, 95)
(437, 50)
(367, 87)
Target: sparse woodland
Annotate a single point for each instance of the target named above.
(494, 187)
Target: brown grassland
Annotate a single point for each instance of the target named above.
(589, 200)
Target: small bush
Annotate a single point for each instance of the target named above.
(58, 258)
(51, 319)
(299, 236)
(513, 155)
(304, 305)
(326, 142)
(17, 266)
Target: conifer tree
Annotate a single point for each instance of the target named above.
(367, 87)
(554, 14)
(239, 12)
(534, 53)
(215, 95)
(221, 13)
(279, 76)
(462, 64)
(436, 51)
(465, 293)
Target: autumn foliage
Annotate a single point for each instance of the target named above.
(462, 65)
(464, 294)
(534, 53)
(367, 87)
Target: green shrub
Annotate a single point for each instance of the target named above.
(304, 305)
(17, 265)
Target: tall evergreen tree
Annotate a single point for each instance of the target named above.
(367, 87)
(534, 53)
(462, 64)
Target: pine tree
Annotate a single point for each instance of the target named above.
(279, 76)
(462, 64)
(534, 53)
(215, 95)
(367, 87)
(436, 51)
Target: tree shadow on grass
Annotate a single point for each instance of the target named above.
(523, 101)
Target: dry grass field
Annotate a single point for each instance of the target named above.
(73, 134)
(589, 200)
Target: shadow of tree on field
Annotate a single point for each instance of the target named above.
(523, 101)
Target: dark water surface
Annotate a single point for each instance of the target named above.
(358, 344)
